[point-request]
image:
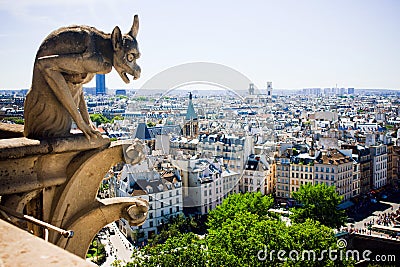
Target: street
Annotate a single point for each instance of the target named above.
(116, 245)
(373, 214)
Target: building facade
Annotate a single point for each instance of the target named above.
(379, 166)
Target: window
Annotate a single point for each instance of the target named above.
(177, 209)
(162, 204)
(151, 224)
(162, 213)
(150, 198)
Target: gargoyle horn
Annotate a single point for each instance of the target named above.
(135, 27)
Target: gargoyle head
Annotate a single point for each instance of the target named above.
(126, 51)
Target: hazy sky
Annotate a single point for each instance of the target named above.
(294, 44)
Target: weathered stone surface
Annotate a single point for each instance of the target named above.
(65, 179)
(88, 222)
(11, 130)
(52, 174)
(13, 148)
(20, 248)
(68, 58)
(27, 164)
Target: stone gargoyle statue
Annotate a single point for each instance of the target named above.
(68, 58)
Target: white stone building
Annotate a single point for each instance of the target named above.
(163, 190)
(335, 168)
(379, 165)
(205, 183)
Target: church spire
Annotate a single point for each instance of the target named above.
(191, 127)
(190, 113)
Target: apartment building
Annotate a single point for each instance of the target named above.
(162, 189)
(334, 168)
(379, 165)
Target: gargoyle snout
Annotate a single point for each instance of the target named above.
(136, 72)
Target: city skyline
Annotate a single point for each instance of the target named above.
(293, 44)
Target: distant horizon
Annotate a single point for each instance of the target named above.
(216, 89)
(294, 44)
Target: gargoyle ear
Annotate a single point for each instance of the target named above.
(116, 38)
(135, 27)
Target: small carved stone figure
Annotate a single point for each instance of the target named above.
(135, 153)
(68, 58)
(138, 212)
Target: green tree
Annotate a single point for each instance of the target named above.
(99, 119)
(151, 124)
(117, 118)
(243, 236)
(16, 120)
(318, 202)
(181, 250)
(254, 203)
(140, 98)
(174, 227)
(96, 252)
(246, 240)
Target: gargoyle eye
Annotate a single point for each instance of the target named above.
(130, 57)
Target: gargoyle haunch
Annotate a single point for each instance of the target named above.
(68, 58)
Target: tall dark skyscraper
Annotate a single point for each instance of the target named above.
(100, 84)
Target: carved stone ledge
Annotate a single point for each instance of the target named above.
(28, 165)
(60, 178)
